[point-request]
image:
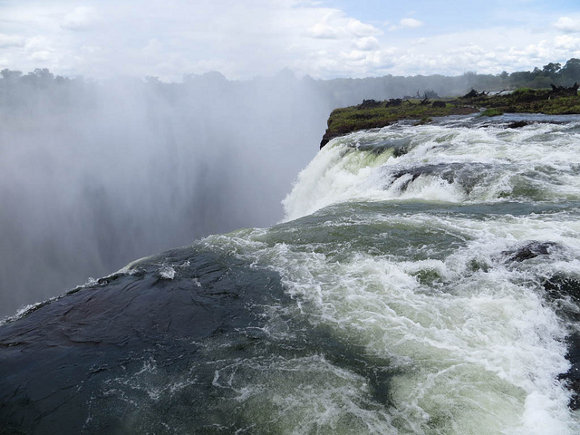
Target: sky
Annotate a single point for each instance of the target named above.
(321, 38)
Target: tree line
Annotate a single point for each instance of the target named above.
(14, 85)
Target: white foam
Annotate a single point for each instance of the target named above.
(481, 350)
(516, 158)
(167, 272)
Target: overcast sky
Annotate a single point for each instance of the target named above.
(247, 38)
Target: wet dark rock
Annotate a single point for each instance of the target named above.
(369, 104)
(563, 91)
(400, 151)
(467, 175)
(518, 124)
(560, 287)
(474, 94)
(394, 102)
(325, 139)
(530, 250)
(76, 364)
(139, 353)
(398, 146)
(572, 376)
(423, 121)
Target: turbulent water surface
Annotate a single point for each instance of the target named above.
(425, 280)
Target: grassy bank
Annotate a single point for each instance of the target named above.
(373, 114)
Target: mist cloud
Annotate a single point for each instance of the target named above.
(80, 18)
(10, 41)
(407, 23)
(93, 175)
(568, 24)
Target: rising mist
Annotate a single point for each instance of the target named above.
(93, 175)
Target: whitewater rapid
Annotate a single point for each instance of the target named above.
(403, 253)
(425, 280)
(445, 162)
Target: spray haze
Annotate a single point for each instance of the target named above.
(94, 175)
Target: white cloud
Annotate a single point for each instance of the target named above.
(171, 38)
(11, 41)
(80, 18)
(567, 42)
(410, 23)
(336, 25)
(38, 42)
(41, 56)
(324, 31)
(153, 48)
(485, 51)
(406, 23)
(358, 28)
(368, 43)
(567, 24)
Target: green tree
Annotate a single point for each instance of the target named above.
(552, 69)
(571, 71)
(10, 75)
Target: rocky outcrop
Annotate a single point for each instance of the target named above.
(89, 361)
(562, 91)
(373, 114)
(531, 250)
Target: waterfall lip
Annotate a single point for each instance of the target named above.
(506, 121)
(450, 160)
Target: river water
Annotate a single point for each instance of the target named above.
(424, 280)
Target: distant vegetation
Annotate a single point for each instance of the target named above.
(415, 97)
(346, 92)
(407, 96)
(552, 73)
(558, 100)
(336, 92)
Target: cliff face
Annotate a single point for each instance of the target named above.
(375, 114)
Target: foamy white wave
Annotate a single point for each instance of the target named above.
(167, 272)
(539, 160)
(486, 352)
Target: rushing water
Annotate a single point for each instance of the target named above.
(425, 280)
